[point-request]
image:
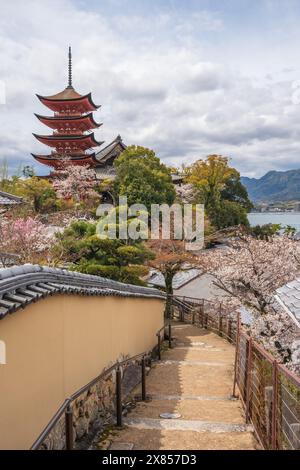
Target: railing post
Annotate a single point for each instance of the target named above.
(202, 314)
(143, 378)
(229, 328)
(274, 405)
(248, 384)
(69, 428)
(206, 321)
(119, 396)
(237, 346)
(181, 314)
(158, 346)
(172, 307)
(220, 324)
(170, 335)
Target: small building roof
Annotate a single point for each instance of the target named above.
(288, 296)
(112, 150)
(176, 178)
(7, 199)
(297, 236)
(22, 285)
(9, 259)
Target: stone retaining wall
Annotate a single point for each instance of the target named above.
(94, 410)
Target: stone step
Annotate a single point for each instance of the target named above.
(190, 380)
(204, 339)
(168, 362)
(226, 411)
(186, 425)
(121, 446)
(181, 326)
(199, 354)
(149, 439)
(191, 343)
(191, 397)
(198, 348)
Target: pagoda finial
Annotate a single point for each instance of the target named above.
(70, 68)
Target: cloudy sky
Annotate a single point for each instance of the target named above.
(186, 78)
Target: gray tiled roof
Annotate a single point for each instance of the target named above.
(176, 178)
(297, 236)
(289, 296)
(246, 316)
(108, 151)
(180, 279)
(9, 199)
(8, 259)
(109, 172)
(22, 285)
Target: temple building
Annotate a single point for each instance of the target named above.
(8, 201)
(72, 138)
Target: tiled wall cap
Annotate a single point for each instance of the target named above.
(41, 281)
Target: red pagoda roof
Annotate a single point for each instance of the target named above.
(83, 142)
(69, 101)
(83, 123)
(55, 161)
(69, 93)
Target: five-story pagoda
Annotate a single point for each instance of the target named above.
(71, 123)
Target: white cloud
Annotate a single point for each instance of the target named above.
(166, 81)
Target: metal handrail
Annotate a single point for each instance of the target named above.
(187, 297)
(45, 433)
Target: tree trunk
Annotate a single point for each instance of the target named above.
(169, 291)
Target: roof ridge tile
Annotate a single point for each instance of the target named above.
(34, 282)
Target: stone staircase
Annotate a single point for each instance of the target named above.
(193, 384)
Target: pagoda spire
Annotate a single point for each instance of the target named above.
(70, 69)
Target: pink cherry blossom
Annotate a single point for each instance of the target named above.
(28, 238)
(74, 181)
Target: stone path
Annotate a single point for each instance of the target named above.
(194, 379)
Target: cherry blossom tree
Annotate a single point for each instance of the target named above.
(249, 270)
(28, 238)
(75, 182)
(186, 193)
(280, 335)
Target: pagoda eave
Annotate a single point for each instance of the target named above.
(83, 103)
(84, 141)
(56, 162)
(84, 123)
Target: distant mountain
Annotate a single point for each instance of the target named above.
(274, 186)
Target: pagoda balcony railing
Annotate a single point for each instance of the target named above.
(65, 132)
(67, 114)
